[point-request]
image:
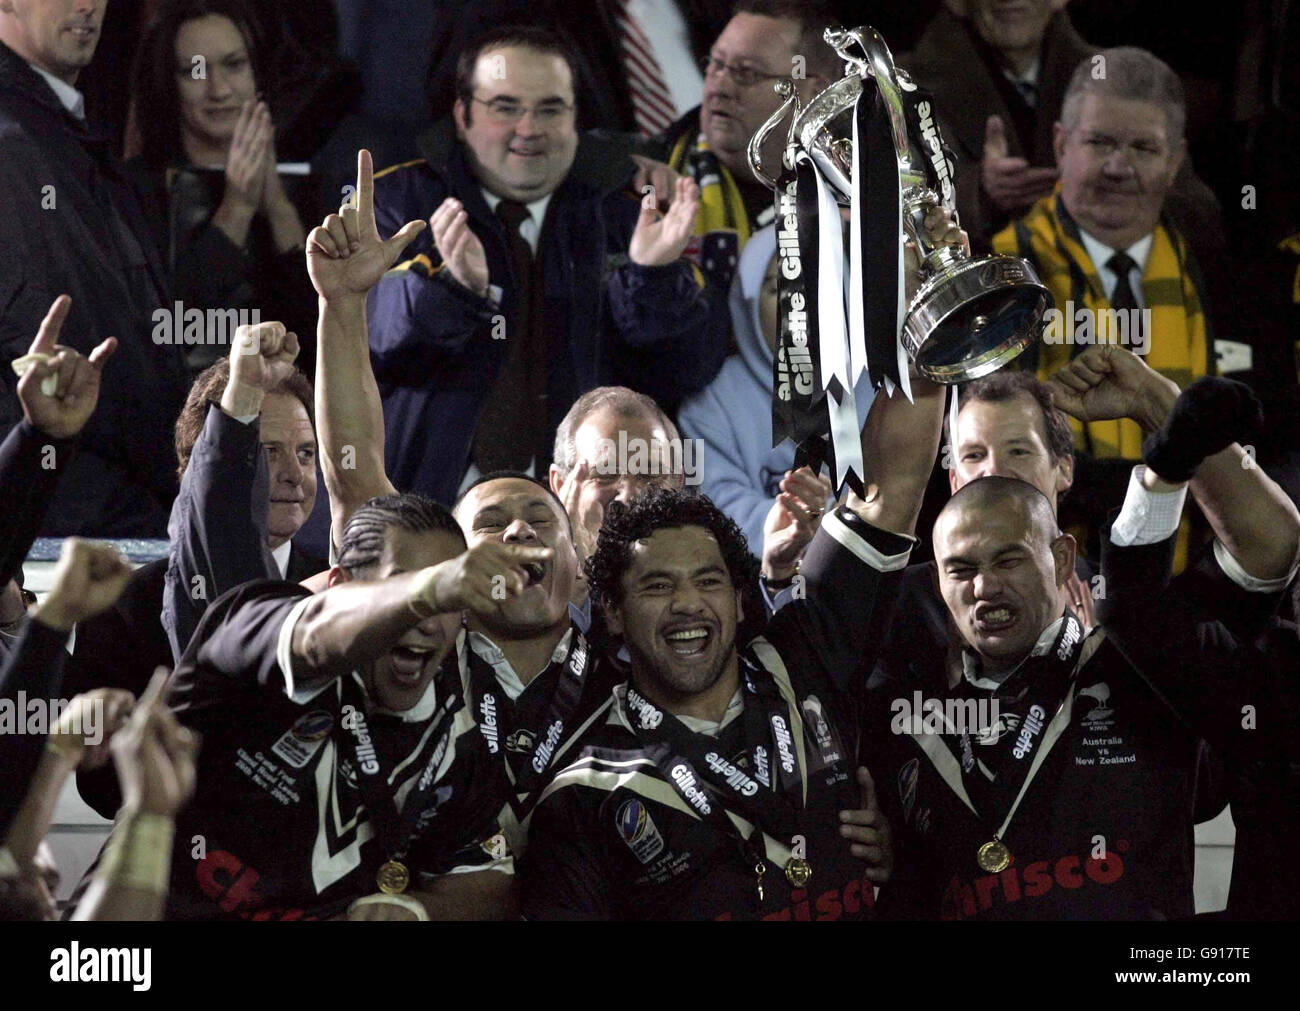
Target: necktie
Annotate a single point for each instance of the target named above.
(652, 103)
(507, 431)
(1028, 91)
(1123, 298)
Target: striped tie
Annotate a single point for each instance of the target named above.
(652, 105)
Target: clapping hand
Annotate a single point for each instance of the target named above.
(660, 238)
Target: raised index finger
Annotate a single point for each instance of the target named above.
(365, 187)
(48, 334)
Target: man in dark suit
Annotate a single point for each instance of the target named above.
(245, 436)
(73, 226)
(998, 77)
(543, 275)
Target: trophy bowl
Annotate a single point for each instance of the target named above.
(974, 316)
(970, 316)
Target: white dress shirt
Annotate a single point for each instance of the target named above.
(68, 95)
(1099, 253)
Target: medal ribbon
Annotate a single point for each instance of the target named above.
(796, 363)
(1050, 677)
(682, 759)
(563, 703)
(394, 828)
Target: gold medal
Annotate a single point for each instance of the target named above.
(393, 877)
(798, 872)
(994, 857)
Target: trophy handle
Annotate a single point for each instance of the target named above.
(784, 88)
(918, 198)
(841, 39)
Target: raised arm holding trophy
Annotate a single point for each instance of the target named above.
(875, 152)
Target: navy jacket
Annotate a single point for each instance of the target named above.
(218, 526)
(431, 340)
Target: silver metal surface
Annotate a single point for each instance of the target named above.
(970, 316)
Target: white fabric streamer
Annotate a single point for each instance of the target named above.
(846, 437)
(857, 322)
(830, 286)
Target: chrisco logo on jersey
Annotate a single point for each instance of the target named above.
(1080, 875)
(639, 831)
(355, 722)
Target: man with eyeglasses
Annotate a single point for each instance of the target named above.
(542, 276)
(765, 41)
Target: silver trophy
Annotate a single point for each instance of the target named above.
(970, 316)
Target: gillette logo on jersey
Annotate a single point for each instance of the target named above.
(487, 723)
(355, 722)
(964, 899)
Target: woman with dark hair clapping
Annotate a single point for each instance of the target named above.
(206, 166)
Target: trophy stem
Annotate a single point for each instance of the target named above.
(942, 258)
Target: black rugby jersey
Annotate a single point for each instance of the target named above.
(526, 739)
(613, 838)
(1104, 829)
(283, 828)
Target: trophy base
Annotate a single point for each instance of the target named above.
(972, 318)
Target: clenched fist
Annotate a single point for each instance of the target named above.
(87, 581)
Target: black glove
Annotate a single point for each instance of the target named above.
(1208, 416)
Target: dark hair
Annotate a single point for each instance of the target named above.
(665, 508)
(1007, 384)
(515, 475)
(542, 40)
(367, 529)
(207, 388)
(814, 17)
(155, 98)
(622, 401)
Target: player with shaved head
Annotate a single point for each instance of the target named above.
(1056, 784)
